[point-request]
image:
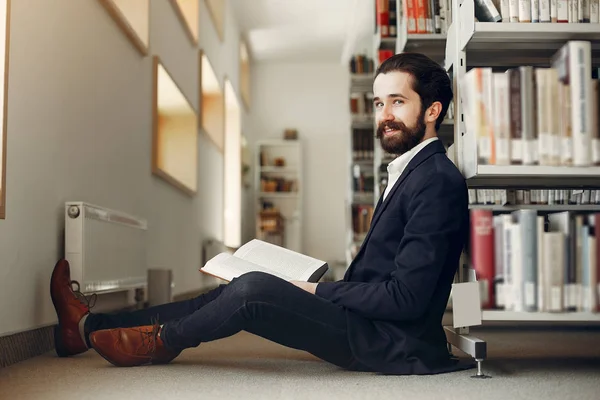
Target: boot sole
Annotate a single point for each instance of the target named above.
(59, 346)
(115, 364)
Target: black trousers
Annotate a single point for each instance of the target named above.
(255, 302)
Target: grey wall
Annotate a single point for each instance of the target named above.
(79, 128)
(312, 98)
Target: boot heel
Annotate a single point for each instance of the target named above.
(58, 344)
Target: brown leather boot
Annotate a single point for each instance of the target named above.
(70, 309)
(130, 347)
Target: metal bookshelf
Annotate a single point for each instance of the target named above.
(474, 44)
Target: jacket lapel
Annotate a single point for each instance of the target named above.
(429, 150)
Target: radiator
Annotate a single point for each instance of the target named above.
(106, 249)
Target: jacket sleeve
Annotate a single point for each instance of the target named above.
(436, 212)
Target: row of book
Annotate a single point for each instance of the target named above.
(361, 64)
(363, 181)
(532, 115)
(386, 18)
(361, 218)
(361, 104)
(427, 16)
(510, 197)
(363, 144)
(538, 11)
(530, 262)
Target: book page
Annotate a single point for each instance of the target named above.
(287, 262)
(227, 267)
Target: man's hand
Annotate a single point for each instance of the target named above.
(308, 286)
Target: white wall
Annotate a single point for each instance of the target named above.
(312, 98)
(79, 128)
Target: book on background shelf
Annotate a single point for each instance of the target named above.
(549, 197)
(538, 11)
(361, 64)
(527, 262)
(258, 255)
(426, 16)
(363, 144)
(386, 18)
(361, 105)
(552, 112)
(362, 214)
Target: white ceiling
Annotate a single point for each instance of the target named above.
(304, 30)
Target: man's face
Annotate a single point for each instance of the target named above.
(400, 120)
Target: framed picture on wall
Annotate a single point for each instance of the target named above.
(212, 101)
(133, 18)
(245, 73)
(216, 9)
(187, 12)
(174, 132)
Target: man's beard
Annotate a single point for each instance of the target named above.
(405, 140)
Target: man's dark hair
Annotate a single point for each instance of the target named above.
(430, 80)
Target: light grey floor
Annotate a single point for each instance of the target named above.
(524, 364)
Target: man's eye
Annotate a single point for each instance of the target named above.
(379, 104)
(398, 102)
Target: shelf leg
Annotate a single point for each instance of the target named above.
(480, 374)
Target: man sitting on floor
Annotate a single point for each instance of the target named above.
(384, 316)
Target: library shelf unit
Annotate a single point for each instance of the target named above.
(362, 167)
(505, 45)
(279, 188)
(373, 168)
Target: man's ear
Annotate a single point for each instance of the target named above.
(433, 112)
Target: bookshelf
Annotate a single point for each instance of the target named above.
(362, 194)
(504, 45)
(278, 187)
(368, 173)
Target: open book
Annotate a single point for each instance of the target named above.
(257, 255)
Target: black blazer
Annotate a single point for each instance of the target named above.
(396, 289)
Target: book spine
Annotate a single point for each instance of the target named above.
(543, 115)
(482, 245)
(501, 118)
(527, 115)
(580, 72)
(421, 16)
(545, 11)
(524, 10)
(595, 95)
(505, 10)
(516, 137)
(542, 297)
(562, 11)
(554, 249)
(553, 107)
(594, 11)
(528, 222)
(553, 11)
(535, 11)
(514, 10)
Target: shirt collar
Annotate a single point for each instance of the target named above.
(399, 163)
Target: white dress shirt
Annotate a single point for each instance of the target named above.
(396, 167)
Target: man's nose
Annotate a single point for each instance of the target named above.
(386, 114)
